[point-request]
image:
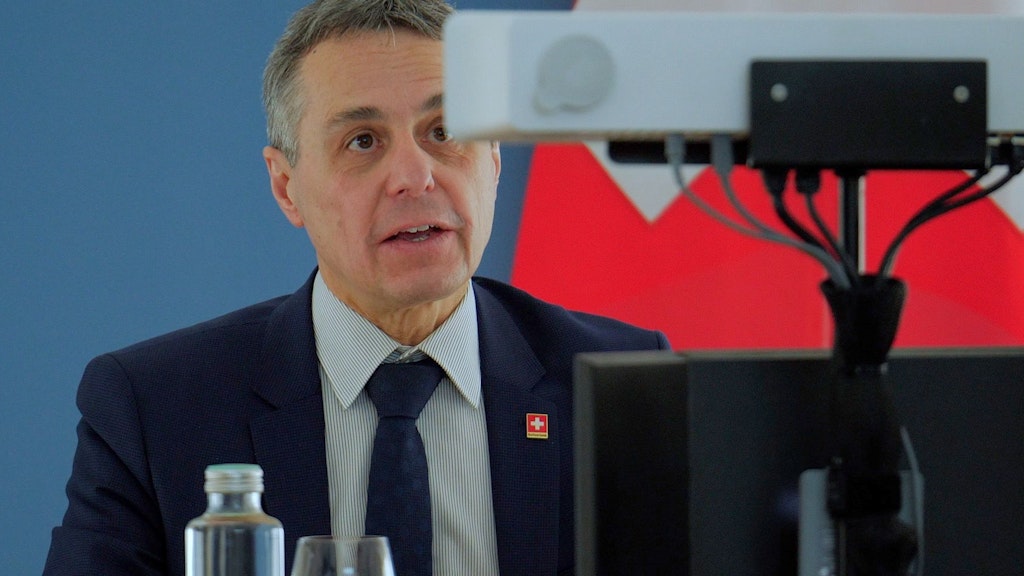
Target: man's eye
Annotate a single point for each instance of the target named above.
(440, 134)
(362, 142)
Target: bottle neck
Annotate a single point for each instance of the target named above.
(234, 503)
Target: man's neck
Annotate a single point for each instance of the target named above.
(408, 325)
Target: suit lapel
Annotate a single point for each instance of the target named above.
(289, 441)
(524, 472)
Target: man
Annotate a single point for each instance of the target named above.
(398, 213)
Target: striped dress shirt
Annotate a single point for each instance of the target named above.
(452, 425)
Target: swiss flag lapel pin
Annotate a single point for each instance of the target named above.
(537, 426)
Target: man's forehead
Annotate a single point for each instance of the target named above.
(432, 103)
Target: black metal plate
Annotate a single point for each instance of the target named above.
(868, 114)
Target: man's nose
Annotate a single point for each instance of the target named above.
(410, 169)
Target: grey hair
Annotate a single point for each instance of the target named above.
(322, 20)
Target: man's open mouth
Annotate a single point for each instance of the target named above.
(417, 234)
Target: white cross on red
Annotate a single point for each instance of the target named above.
(537, 426)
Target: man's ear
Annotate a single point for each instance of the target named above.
(280, 172)
(496, 156)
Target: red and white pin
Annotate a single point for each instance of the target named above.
(537, 426)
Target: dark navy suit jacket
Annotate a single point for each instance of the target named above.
(245, 387)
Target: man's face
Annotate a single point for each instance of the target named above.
(398, 212)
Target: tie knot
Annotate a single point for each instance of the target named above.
(402, 389)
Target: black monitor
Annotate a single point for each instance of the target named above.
(690, 463)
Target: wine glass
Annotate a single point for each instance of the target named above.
(343, 556)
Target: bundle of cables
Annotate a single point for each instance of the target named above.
(824, 247)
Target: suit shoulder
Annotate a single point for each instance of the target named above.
(545, 323)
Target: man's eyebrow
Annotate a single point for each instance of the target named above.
(435, 102)
(360, 114)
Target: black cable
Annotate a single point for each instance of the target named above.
(964, 200)
(808, 183)
(775, 182)
(936, 206)
(945, 203)
(927, 212)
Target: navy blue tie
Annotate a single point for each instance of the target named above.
(398, 495)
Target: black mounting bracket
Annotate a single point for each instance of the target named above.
(842, 114)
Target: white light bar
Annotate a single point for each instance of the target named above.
(534, 76)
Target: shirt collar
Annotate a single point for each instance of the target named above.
(350, 347)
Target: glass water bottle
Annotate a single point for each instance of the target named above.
(234, 537)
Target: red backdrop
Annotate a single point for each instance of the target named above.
(583, 244)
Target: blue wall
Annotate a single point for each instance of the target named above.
(135, 201)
